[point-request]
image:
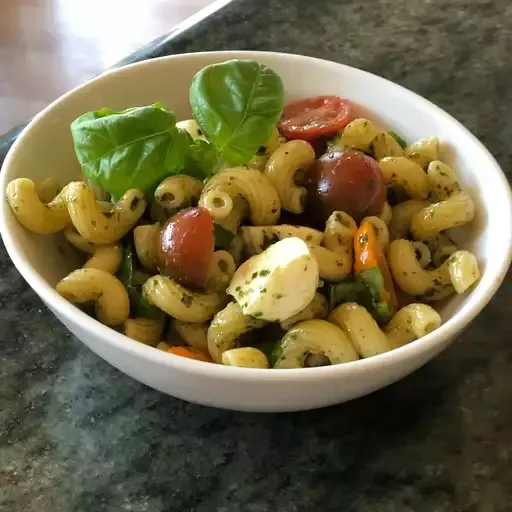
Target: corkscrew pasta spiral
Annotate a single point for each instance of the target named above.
(251, 185)
(281, 169)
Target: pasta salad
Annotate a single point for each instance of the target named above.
(258, 233)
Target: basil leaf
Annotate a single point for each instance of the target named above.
(127, 267)
(201, 159)
(365, 290)
(237, 105)
(272, 349)
(349, 290)
(134, 148)
(372, 278)
(139, 305)
(399, 139)
(144, 308)
(223, 238)
(374, 281)
(381, 312)
(267, 339)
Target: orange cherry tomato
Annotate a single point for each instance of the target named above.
(190, 353)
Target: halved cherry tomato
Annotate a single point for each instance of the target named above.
(310, 118)
(345, 180)
(186, 246)
(190, 353)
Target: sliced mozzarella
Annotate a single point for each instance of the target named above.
(278, 283)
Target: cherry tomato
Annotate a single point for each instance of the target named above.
(186, 246)
(345, 180)
(190, 353)
(320, 145)
(310, 118)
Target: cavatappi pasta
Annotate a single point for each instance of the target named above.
(227, 326)
(264, 285)
(359, 134)
(335, 257)
(384, 145)
(222, 268)
(145, 239)
(106, 258)
(32, 213)
(179, 302)
(402, 172)
(146, 330)
(179, 191)
(317, 308)
(249, 184)
(193, 334)
(281, 169)
(423, 151)
(95, 225)
(109, 295)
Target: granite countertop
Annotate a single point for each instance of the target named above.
(77, 435)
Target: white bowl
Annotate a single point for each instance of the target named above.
(45, 149)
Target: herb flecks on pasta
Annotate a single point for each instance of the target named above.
(334, 257)
(193, 334)
(456, 274)
(32, 213)
(454, 207)
(314, 343)
(245, 357)
(408, 324)
(179, 302)
(227, 327)
(251, 185)
(109, 295)
(106, 258)
(145, 330)
(291, 158)
(177, 192)
(96, 225)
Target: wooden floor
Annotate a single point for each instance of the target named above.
(50, 46)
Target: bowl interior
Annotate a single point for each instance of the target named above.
(45, 149)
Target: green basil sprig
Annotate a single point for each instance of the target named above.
(237, 105)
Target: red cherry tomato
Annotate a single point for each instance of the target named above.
(310, 118)
(186, 246)
(320, 145)
(345, 180)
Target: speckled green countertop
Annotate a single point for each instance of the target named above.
(77, 435)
